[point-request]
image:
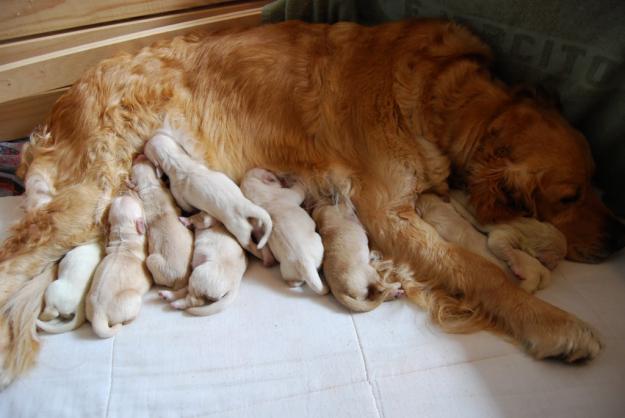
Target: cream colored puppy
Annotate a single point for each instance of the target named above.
(121, 279)
(170, 244)
(193, 185)
(294, 242)
(520, 245)
(65, 297)
(346, 263)
(219, 263)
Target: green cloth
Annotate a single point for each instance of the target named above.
(575, 47)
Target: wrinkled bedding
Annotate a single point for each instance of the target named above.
(284, 352)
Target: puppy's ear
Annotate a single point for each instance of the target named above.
(140, 225)
(159, 172)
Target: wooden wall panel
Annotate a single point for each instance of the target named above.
(61, 68)
(20, 18)
(22, 49)
(19, 117)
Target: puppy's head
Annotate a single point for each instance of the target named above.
(127, 211)
(533, 163)
(264, 176)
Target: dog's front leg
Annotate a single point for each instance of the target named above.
(544, 330)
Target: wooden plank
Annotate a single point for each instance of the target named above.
(61, 68)
(20, 18)
(18, 50)
(19, 117)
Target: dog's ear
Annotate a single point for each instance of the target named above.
(140, 225)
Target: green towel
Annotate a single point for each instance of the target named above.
(574, 47)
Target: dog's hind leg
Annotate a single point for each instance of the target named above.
(40, 239)
(484, 294)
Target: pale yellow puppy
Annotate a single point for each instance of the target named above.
(121, 278)
(170, 244)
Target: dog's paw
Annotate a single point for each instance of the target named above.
(166, 295)
(568, 339)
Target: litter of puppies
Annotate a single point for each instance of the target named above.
(201, 258)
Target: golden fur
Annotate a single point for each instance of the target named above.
(383, 112)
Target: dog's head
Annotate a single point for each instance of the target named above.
(532, 162)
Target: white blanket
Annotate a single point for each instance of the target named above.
(279, 352)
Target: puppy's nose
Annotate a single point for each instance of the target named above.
(617, 236)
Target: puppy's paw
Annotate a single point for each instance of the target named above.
(568, 339)
(179, 304)
(530, 271)
(166, 295)
(294, 283)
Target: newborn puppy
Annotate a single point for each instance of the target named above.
(294, 242)
(193, 185)
(540, 240)
(170, 243)
(499, 249)
(121, 278)
(353, 281)
(218, 267)
(65, 297)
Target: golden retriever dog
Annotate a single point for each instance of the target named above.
(388, 109)
(354, 282)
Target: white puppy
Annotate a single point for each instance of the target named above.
(170, 244)
(218, 267)
(65, 297)
(121, 279)
(517, 245)
(193, 185)
(354, 282)
(294, 242)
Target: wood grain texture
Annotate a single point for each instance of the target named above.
(18, 50)
(20, 18)
(19, 117)
(56, 69)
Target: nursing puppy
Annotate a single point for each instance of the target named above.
(294, 242)
(121, 279)
(501, 248)
(193, 185)
(65, 297)
(346, 263)
(218, 263)
(170, 244)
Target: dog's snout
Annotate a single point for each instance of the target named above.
(617, 236)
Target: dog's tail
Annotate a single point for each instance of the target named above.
(100, 325)
(218, 306)
(58, 326)
(366, 305)
(21, 312)
(308, 273)
(263, 222)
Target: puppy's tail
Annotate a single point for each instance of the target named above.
(21, 312)
(100, 325)
(263, 222)
(308, 273)
(218, 306)
(58, 326)
(366, 305)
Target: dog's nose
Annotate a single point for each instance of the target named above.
(617, 236)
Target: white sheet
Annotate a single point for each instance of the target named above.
(283, 353)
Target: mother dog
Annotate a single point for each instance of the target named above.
(378, 113)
